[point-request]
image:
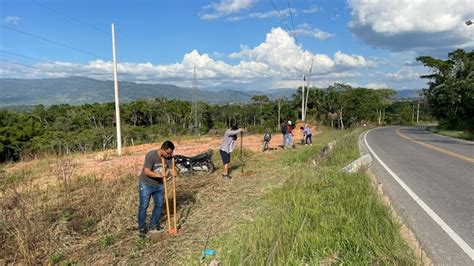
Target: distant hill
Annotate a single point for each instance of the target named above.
(80, 90)
(408, 94)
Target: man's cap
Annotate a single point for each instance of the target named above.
(289, 122)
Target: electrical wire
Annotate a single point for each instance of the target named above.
(54, 42)
(283, 21)
(291, 15)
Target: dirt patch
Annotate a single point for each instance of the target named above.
(248, 173)
(270, 157)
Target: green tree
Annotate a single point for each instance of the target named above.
(450, 92)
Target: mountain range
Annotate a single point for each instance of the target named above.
(80, 90)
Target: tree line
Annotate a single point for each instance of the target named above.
(63, 128)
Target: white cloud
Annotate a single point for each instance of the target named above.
(375, 86)
(264, 15)
(277, 59)
(352, 61)
(306, 30)
(311, 10)
(12, 20)
(226, 7)
(405, 74)
(280, 51)
(422, 25)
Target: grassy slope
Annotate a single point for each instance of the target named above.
(318, 216)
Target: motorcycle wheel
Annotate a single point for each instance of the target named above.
(210, 167)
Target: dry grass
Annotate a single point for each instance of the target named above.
(77, 209)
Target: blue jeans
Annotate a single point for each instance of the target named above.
(146, 192)
(289, 140)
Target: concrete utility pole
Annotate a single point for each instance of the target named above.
(307, 88)
(279, 110)
(302, 98)
(117, 105)
(418, 113)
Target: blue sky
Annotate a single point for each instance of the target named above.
(240, 44)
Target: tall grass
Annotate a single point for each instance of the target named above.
(320, 216)
(48, 224)
(452, 133)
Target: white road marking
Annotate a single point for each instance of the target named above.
(454, 236)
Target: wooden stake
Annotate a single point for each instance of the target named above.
(175, 229)
(166, 192)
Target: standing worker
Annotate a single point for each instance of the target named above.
(227, 146)
(284, 131)
(151, 185)
(289, 135)
(308, 135)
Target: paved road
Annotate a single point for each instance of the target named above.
(430, 181)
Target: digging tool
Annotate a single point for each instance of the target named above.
(164, 176)
(174, 230)
(241, 152)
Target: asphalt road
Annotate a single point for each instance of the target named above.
(430, 181)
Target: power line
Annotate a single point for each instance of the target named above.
(69, 17)
(77, 21)
(26, 56)
(67, 67)
(283, 21)
(54, 42)
(14, 63)
(40, 60)
(291, 15)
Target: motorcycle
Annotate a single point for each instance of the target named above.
(266, 141)
(199, 163)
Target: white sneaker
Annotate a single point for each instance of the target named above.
(156, 231)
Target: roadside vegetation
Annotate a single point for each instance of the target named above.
(319, 216)
(452, 133)
(450, 92)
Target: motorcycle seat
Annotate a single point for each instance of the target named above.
(199, 157)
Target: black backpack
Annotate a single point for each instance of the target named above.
(284, 128)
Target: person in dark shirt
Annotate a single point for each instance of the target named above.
(151, 185)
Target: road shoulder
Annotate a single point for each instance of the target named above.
(406, 233)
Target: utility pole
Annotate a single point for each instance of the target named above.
(117, 105)
(279, 109)
(302, 98)
(307, 88)
(195, 85)
(197, 125)
(418, 113)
